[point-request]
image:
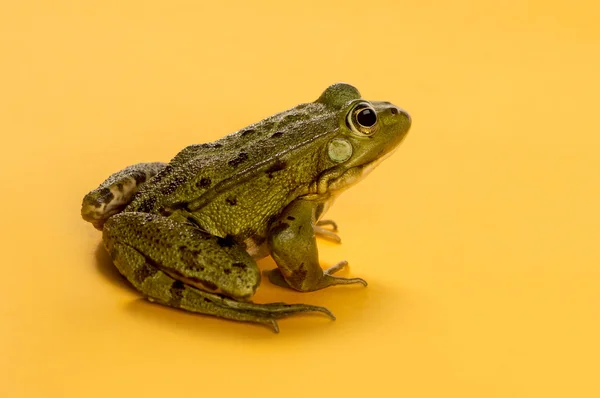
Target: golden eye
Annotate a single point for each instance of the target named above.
(362, 119)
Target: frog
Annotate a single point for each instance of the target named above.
(188, 233)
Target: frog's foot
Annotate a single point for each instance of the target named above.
(276, 277)
(273, 311)
(338, 280)
(212, 304)
(326, 233)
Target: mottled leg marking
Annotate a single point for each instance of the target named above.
(161, 288)
(180, 257)
(114, 194)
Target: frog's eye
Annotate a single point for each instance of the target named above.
(362, 119)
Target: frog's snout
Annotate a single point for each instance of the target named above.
(394, 110)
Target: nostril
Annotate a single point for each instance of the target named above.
(394, 111)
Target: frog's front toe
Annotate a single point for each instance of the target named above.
(276, 277)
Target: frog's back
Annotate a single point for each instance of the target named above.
(255, 155)
(275, 157)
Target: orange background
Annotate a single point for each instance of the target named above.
(479, 237)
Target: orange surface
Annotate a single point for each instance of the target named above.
(480, 237)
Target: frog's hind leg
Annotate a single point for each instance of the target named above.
(114, 194)
(176, 264)
(161, 288)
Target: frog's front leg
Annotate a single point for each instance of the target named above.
(177, 264)
(293, 246)
(325, 233)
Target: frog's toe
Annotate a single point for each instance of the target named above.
(276, 310)
(327, 234)
(275, 325)
(337, 280)
(338, 267)
(330, 223)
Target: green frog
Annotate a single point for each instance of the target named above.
(187, 233)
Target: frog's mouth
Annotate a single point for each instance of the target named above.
(357, 173)
(367, 168)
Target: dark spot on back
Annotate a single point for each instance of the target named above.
(147, 205)
(144, 272)
(139, 177)
(277, 134)
(173, 185)
(226, 241)
(246, 132)
(231, 201)
(241, 266)
(291, 218)
(204, 182)
(227, 271)
(176, 291)
(277, 166)
(241, 158)
(165, 212)
(162, 174)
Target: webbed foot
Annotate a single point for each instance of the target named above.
(276, 277)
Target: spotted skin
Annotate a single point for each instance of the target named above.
(114, 194)
(186, 234)
(151, 274)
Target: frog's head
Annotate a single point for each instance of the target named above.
(369, 131)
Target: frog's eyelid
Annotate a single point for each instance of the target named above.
(350, 114)
(350, 119)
